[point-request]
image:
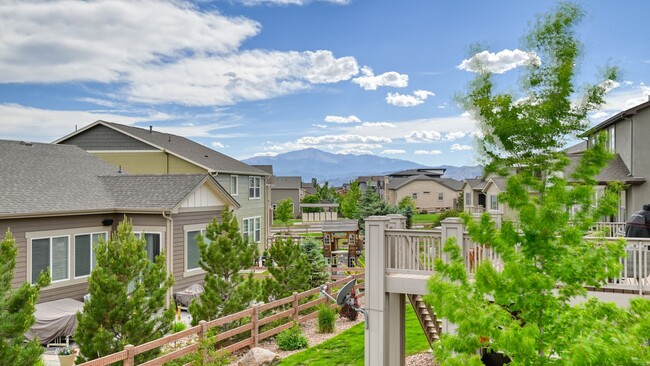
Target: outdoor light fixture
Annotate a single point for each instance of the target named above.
(107, 222)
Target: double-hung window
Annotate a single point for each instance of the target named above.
(51, 254)
(494, 202)
(152, 244)
(254, 187)
(234, 185)
(468, 198)
(251, 229)
(441, 196)
(193, 252)
(84, 253)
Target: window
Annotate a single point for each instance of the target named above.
(193, 252)
(84, 253)
(494, 202)
(611, 139)
(441, 196)
(51, 254)
(234, 185)
(468, 198)
(254, 190)
(252, 229)
(414, 196)
(152, 244)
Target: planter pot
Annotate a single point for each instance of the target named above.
(67, 360)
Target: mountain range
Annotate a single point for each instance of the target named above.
(342, 168)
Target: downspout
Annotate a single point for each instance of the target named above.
(169, 253)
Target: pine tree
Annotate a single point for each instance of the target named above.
(17, 310)
(224, 253)
(290, 271)
(128, 294)
(313, 250)
(525, 309)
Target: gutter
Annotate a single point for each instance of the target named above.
(170, 254)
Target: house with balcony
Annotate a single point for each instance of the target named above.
(137, 150)
(58, 201)
(429, 190)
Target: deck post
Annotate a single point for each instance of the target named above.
(453, 227)
(397, 221)
(376, 336)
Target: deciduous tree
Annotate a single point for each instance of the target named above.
(526, 309)
(284, 211)
(350, 201)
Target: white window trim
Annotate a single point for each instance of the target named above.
(236, 186)
(154, 230)
(187, 228)
(253, 220)
(249, 187)
(74, 249)
(50, 237)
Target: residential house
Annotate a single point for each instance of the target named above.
(145, 151)
(58, 201)
(627, 135)
(430, 191)
(286, 187)
(306, 189)
(473, 195)
(376, 182)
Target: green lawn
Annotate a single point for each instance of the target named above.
(347, 348)
(280, 224)
(425, 217)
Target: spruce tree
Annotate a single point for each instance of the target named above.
(527, 307)
(313, 250)
(17, 310)
(224, 254)
(290, 271)
(128, 293)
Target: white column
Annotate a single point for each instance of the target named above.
(375, 294)
(453, 227)
(397, 221)
(395, 334)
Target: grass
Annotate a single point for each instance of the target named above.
(278, 223)
(425, 217)
(347, 348)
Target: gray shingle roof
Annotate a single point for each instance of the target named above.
(185, 148)
(500, 182)
(615, 170)
(286, 182)
(397, 183)
(419, 171)
(476, 184)
(48, 179)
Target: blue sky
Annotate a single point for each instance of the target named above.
(263, 77)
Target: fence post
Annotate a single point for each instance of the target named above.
(295, 306)
(255, 332)
(130, 356)
(202, 333)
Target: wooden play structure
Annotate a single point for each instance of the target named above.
(342, 244)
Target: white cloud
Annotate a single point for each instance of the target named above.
(458, 147)
(623, 97)
(46, 125)
(218, 145)
(370, 81)
(271, 154)
(428, 152)
(405, 100)
(355, 152)
(377, 124)
(477, 134)
(500, 62)
(183, 55)
(328, 139)
(393, 152)
(451, 136)
(319, 125)
(340, 119)
(423, 136)
(290, 2)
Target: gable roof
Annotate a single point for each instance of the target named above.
(617, 117)
(475, 184)
(615, 170)
(181, 147)
(499, 182)
(419, 171)
(397, 183)
(48, 179)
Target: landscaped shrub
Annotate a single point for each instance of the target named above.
(445, 214)
(292, 339)
(326, 319)
(207, 348)
(178, 326)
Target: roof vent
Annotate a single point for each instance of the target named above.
(169, 138)
(26, 143)
(150, 129)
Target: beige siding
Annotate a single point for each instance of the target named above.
(180, 166)
(427, 201)
(150, 162)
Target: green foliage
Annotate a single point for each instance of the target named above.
(284, 211)
(17, 309)
(350, 201)
(316, 263)
(443, 215)
(311, 198)
(405, 202)
(290, 271)
(127, 295)
(520, 308)
(371, 204)
(178, 327)
(207, 355)
(292, 339)
(408, 213)
(224, 253)
(326, 319)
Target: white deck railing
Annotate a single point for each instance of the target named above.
(414, 252)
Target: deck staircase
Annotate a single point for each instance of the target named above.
(430, 324)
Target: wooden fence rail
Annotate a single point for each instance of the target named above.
(255, 320)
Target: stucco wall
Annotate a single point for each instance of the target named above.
(426, 201)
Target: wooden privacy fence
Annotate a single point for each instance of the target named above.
(253, 319)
